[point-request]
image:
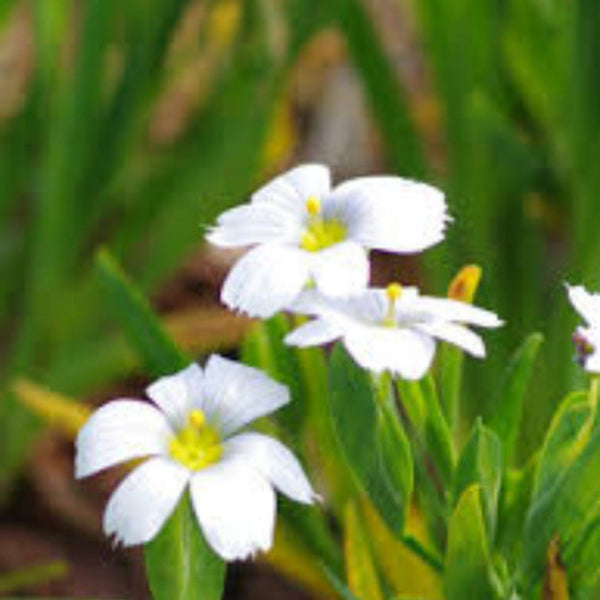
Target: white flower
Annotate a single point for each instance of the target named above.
(188, 439)
(391, 329)
(307, 234)
(587, 339)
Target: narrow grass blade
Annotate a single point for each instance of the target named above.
(141, 325)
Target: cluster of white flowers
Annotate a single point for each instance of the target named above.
(309, 255)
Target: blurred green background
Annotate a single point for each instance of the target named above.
(131, 124)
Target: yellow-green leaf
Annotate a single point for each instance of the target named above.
(361, 575)
(468, 570)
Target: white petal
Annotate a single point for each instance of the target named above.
(144, 500)
(391, 213)
(314, 333)
(266, 280)
(237, 394)
(291, 190)
(586, 304)
(120, 431)
(453, 310)
(455, 334)
(405, 352)
(341, 270)
(177, 394)
(592, 363)
(256, 224)
(274, 462)
(367, 307)
(235, 506)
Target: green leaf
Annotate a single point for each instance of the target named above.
(481, 463)
(468, 570)
(421, 403)
(180, 564)
(515, 498)
(583, 555)
(509, 400)
(394, 445)
(338, 585)
(140, 324)
(312, 533)
(361, 573)
(357, 422)
(563, 506)
(567, 435)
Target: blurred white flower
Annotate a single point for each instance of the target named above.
(392, 329)
(188, 438)
(308, 235)
(586, 339)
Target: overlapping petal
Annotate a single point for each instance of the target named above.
(255, 224)
(314, 333)
(340, 270)
(453, 310)
(455, 334)
(144, 500)
(235, 394)
(266, 279)
(392, 213)
(405, 352)
(177, 394)
(118, 432)
(291, 190)
(235, 506)
(274, 462)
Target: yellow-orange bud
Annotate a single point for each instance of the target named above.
(464, 285)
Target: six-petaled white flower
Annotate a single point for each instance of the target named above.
(189, 436)
(307, 234)
(587, 339)
(391, 329)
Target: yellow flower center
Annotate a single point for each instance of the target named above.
(393, 292)
(197, 444)
(320, 233)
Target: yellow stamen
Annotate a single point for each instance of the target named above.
(197, 418)
(393, 291)
(313, 206)
(320, 233)
(197, 444)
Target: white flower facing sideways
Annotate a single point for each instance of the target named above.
(393, 329)
(190, 438)
(586, 339)
(307, 234)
